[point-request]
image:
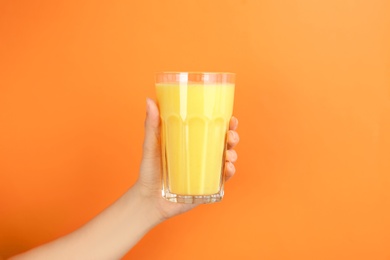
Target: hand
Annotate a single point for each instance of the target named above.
(149, 181)
(119, 227)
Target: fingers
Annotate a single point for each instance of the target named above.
(229, 170)
(232, 135)
(233, 123)
(232, 139)
(152, 130)
(231, 156)
(152, 115)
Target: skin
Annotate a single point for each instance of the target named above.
(112, 233)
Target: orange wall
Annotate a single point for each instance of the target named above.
(312, 97)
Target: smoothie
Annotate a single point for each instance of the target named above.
(195, 120)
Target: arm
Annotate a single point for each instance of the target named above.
(119, 227)
(108, 236)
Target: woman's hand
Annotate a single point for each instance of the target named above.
(119, 227)
(149, 181)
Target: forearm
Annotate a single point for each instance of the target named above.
(108, 236)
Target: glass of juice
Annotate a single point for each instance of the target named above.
(195, 110)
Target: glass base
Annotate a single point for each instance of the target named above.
(193, 199)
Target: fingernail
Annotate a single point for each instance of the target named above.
(233, 135)
(147, 105)
(235, 120)
(230, 165)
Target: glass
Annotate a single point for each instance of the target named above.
(195, 110)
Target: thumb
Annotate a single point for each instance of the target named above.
(151, 147)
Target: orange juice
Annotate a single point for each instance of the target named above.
(195, 119)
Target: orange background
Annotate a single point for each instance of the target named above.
(312, 97)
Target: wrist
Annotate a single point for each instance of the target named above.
(143, 205)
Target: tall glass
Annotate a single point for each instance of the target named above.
(195, 110)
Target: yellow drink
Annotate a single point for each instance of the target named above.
(195, 119)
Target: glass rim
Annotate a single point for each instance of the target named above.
(204, 78)
(196, 72)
